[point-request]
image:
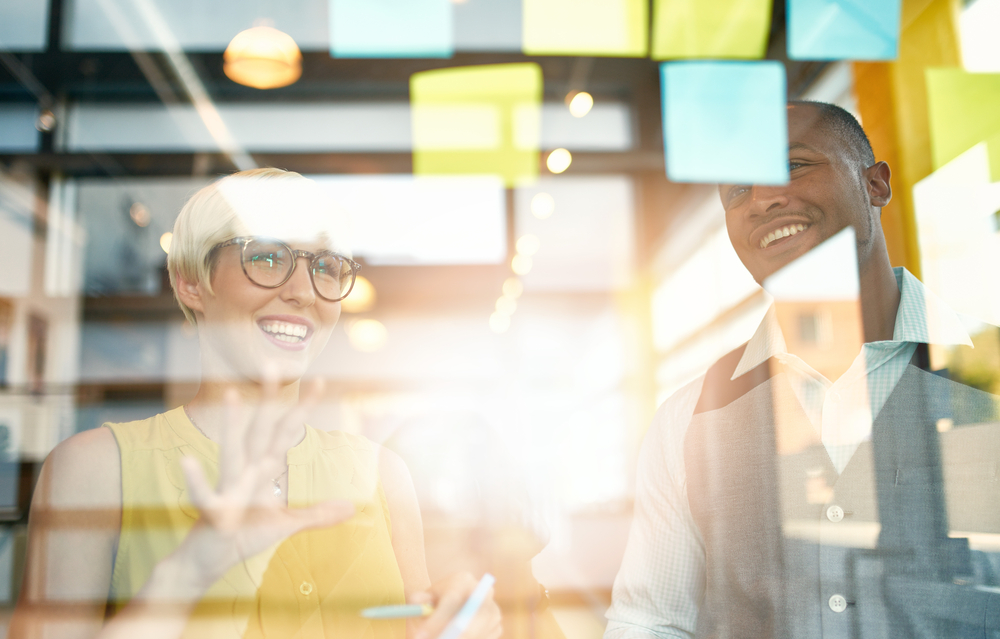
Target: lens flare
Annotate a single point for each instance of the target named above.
(499, 322)
(512, 288)
(140, 214)
(506, 305)
(528, 245)
(543, 206)
(521, 264)
(559, 160)
(367, 335)
(165, 240)
(361, 299)
(580, 104)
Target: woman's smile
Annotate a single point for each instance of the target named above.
(290, 332)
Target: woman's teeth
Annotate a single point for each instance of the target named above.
(786, 231)
(285, 331)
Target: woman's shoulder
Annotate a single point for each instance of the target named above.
(157, 432)
(334, 439)
(84, 470)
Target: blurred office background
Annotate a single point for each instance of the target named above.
(534, 327)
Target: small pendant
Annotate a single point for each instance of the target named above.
(277, 488)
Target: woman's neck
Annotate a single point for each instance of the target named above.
(208, 409)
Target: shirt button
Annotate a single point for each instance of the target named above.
(838, 603)
(306, 588)
(834, 513)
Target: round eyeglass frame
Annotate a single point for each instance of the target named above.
(244, 241)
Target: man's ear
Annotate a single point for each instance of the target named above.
(877, 182)
(190, 293)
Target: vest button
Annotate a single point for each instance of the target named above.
(306, 588)
(838, 603)
(834, 513)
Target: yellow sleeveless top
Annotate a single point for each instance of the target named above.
(312, 585)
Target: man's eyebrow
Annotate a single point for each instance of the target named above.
(801, 146)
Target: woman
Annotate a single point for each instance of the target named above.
(228, 517)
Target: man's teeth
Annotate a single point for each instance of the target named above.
(777, 234)
(285, 331)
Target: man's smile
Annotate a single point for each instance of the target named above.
(779, 234)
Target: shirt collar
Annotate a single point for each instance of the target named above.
(922, 317)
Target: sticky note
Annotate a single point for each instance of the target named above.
(843, 29)
(710, 28)
(391, 29)
(585, 27)
(481, 120)
(725, 122)
(963, 109)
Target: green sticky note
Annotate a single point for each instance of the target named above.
(963, 109)
(585, 27)
(710, 28)
(480, 120)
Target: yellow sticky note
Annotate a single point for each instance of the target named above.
(585, 27)
(481, 120)
(963, 109)
(710, 28)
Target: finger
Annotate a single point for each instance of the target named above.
(202, 495)
(450, 601)
(232, 453)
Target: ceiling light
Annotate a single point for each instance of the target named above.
(263, 58)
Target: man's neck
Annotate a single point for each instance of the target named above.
(879, 298)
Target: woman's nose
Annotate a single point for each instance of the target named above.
(299, 287)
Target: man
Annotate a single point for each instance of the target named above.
(747, 525)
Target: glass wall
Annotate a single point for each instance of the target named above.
(539, 195)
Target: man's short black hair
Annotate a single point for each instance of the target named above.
(841, 123)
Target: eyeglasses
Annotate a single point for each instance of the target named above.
(270, 263)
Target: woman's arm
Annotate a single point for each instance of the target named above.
(448, 595)
(72, 537)
(407, 526)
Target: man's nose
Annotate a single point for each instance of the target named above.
(766, 199)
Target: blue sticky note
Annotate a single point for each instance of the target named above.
(391, 29)
(843, 29)
(725, 122)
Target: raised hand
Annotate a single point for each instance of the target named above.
(242, 516)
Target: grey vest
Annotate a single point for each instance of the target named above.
(795, 550)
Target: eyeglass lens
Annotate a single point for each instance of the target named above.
(269, 264)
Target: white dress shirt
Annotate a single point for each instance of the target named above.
(662, 579)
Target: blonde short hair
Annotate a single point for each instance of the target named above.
(268, 202)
